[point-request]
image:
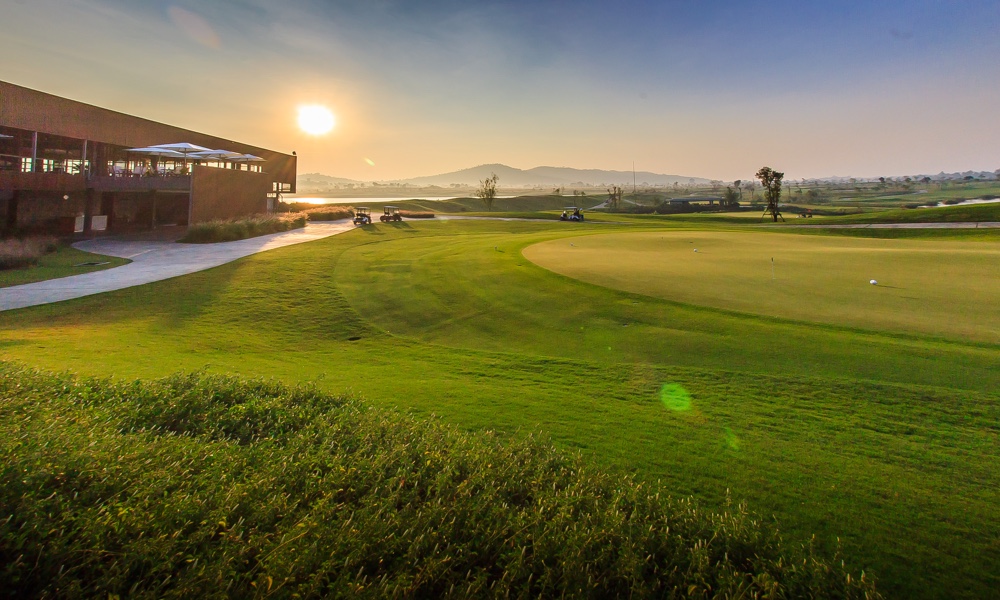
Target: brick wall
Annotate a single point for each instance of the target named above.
(227, 193)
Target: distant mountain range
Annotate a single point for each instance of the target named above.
(567, 177)
(513, 177)
(551, 176)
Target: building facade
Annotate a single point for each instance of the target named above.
(65, 167)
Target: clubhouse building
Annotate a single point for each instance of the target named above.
(68, 167)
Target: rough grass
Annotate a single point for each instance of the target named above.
(242, 228)
(204, 486)
(19, 253)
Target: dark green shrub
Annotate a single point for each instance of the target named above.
(243, 228)
(18, 253)
(330, 212)
(209, 486)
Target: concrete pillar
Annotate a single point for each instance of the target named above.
(92, 203)
(152, 218)
(12, 210)
(34, 152)
(83, 161)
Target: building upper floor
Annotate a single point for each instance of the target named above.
(52, 143)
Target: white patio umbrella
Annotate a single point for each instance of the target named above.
(247, 158)
(182, 147)
(4, 136)
(157, 151)
(216, 155)
(185, 148)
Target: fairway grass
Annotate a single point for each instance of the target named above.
(946, 289)
(889, 442)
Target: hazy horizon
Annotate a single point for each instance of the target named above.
(699, 90)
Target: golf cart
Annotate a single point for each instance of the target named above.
(571, 213)
(362, 216)
(390, 213)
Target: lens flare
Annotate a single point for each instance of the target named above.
(315, 119)
(371, 163)
(675, 397)
(194, 26)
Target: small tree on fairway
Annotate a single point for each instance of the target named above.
(770, 180)
(615, 197)
(488, 190)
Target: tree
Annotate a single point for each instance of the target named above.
(737, 184)
(488, 190)
(729, 198)
(615, 197)
(770, 180)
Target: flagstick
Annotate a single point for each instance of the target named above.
(772, 268)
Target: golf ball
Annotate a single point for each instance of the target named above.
(873, 282)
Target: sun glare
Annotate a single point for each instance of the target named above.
(315, 119)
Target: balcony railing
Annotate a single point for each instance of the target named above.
(173, 183)
(47, 182)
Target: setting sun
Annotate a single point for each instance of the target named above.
(315, 119)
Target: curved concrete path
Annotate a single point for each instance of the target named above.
(154, 261)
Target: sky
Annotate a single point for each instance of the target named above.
(697, 88)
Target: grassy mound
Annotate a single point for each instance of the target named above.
(967, 213)
(240, 229)
(199, 486)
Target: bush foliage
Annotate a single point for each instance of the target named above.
(18, 253)
(243, 228)
(209, 486)
(330, 212)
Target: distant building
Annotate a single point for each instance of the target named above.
(64, 168)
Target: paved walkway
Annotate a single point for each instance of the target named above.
(155, 260)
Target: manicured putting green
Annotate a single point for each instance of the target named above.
(945, 288)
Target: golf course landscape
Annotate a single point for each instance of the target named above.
(860, 419)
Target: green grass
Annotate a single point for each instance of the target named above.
(198, 486)
(945, 288)
(887, 441)
(61, 263)
(942, 214)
